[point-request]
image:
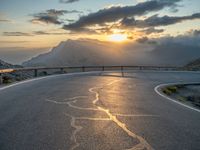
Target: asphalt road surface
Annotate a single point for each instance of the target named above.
(97, 112)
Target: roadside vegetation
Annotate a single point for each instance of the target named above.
(189, 94)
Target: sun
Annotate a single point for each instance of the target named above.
(117, 37)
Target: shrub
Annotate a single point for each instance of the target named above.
(7, 79)
(166, 91)
(181, 98)
(173, 89)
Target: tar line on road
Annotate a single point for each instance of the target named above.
(143, 144)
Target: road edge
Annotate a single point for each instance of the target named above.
(157, 89)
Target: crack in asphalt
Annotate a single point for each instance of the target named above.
(142, 145)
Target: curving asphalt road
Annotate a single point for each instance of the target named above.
(97, 112)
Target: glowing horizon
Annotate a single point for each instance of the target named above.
(44, 24)
(117, 37)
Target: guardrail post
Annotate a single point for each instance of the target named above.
(62, 70)
(1, 79)
(83, 69)
(122, 71)
(103, 68)
(35, 72)
(20, 75)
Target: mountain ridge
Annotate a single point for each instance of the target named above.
(84, 52)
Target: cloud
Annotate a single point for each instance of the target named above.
(33, 33)
(5, 20)
(146, 40)
(51, 16)
(155, 21)
(115, 13)
(142, 40)
(16, 34)
(48, 33)
(190, 38)
(14, 41)
(173, 50)
(152, 30)
(196, 32)
(68, 1)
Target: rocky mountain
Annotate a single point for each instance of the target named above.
(84, 52)
(78, 53)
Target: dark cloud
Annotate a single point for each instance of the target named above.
(196, 32)
(41, 33)
(142, 40)
(68, 1)
(5, 20)
(48, 33)
(84, 31)
(188, 39)
(16, 34)
(146, 40)
(14, 42)
(155, 21)
(116, 13)
(192, 38)
(51, 16)
(152, 30)
(33, 33)
(70, 20)
(172, 50)
(167, 20)
(174, 54)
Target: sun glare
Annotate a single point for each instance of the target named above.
(117, 37)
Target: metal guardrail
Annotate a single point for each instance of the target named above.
(64, 69)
